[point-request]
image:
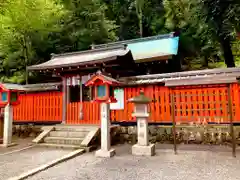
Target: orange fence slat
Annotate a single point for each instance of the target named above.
(191, 104)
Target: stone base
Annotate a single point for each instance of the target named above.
(8, 145)
(102, 153)
(143, 150)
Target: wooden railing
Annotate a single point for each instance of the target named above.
(192, 104)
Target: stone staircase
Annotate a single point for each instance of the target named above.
(70, 137)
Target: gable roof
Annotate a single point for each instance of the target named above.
(82, 58)
(102, 77)
(141, 49)
(164, 45)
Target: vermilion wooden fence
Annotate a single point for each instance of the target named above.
(47, 108)
(192, 104)
(39, 107)
(91, 113)
(159, 107)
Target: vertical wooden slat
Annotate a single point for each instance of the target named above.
(129, 116)
(125, 104)
(237, 102)
(206, 104)
(152, 109)
(231, 122)
(217, 105)
(90, 114)
(195, 105)
(224, 98)
(167, 104)
(97, 113)
(178, 106)
(211, 105)
(189, 105)
(162, 104)
(72, 112)
(157, 104)
(173, 121)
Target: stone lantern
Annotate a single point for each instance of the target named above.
(141, 112)
(9, 97)
(103, 94)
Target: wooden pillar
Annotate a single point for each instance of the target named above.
(236, 96)
(1, 128)
(230, 113)
(81, 99)
(90, 94)
(173, 121)
(64, 100)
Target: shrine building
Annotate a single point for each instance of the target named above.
(141, 56)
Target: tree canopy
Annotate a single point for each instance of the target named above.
(33, 29)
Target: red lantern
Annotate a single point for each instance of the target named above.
(103, 91)
(9, 94)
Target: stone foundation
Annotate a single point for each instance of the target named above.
(143, 150)
(162, 134)
(185, 134)
(26, 131)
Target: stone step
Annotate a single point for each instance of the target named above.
(62, 146)
(75, 128)
(68, 134)
(61, 140)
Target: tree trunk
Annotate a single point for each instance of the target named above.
(227, 51)
(139, 6)
(205, 62)
(26, 57)
(141, 24)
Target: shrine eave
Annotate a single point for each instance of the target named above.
(103, 78)
(199, 77)
(11, 87)
(89, 58)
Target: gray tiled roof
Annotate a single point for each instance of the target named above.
(209, 76)
(42, 86)
(10, 86)
(81, 58)
(32, 87)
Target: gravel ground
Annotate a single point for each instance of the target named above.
(186, 165)
(20, 143)
(16, 163)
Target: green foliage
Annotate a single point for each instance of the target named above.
(221, 16)
(86, 24)
(33, 29)
(205, 27)
(25, 24)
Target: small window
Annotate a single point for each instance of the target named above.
(4, 96)
(14, 96)
(101, 91)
